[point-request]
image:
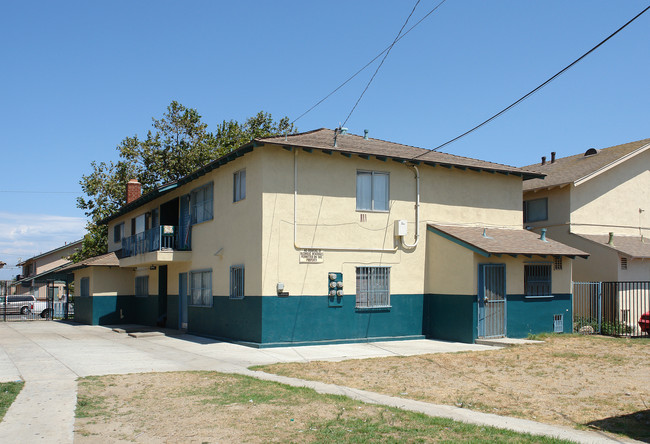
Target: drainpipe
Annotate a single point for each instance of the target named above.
(295, 221)
(417, 210)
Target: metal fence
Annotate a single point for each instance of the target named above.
(611, 308)
(161, 238)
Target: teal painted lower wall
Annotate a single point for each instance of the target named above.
(450, 317)
(304, 319)
(310, 318)
(535, 315)
(235, 319)
(454, 317)
(106, 310)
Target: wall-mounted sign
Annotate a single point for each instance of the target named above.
(311, 256)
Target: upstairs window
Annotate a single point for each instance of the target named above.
(537, 280)
(239, 186)
(118, 232)
(142, 286)
(201, 204)
(536, 210)
(373, 287)
(372, 191)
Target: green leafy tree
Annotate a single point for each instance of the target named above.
(178, 144)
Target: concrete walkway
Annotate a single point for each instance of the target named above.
(50, 356)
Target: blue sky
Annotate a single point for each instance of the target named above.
(80, 76)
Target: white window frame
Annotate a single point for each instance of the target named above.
(201, 296)
(239, 185)
(374, 207)
(373, 287)
(202, 203)
(237, 275)
(535, 284)
(142, 286)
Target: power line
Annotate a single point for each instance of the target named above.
(381, 63)
(369, 63)
(517, 102)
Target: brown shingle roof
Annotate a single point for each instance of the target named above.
(569, 169)
(104, 260)
(506, 241)
(323, 139)
(635, 247)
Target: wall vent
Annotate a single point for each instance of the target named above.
(623, 263)
(557, 263)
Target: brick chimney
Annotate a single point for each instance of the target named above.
(133, 190)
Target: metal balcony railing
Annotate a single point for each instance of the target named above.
(162, 238)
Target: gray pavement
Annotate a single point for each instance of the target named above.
(50, 356)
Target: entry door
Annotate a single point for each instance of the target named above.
(182, 300)
(492, 301)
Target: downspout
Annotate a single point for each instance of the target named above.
(417, 210)
(295, 221)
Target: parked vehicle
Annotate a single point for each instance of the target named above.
(17, 304)
(40, 308)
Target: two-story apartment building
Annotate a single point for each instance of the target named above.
(597, 201)
(331, 237)
(37, 267)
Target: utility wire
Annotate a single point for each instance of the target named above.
(381, 63)
(517, 102)
(368, 64)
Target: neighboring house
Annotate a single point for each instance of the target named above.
(597, 201)
(330, 237)
(38, 270)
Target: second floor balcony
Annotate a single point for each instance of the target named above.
(158, 245)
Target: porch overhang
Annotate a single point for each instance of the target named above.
(503, 241)
(159, 257)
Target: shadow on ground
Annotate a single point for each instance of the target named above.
(635, 425)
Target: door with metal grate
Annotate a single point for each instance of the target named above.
(492, 301)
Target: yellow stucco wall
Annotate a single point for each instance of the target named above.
(453, 269)
(611, 200)
(234, 232)
(327, 217)
(107, 281)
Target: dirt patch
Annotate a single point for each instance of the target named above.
(203, 407)
(570, 380)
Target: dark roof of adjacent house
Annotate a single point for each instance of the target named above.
(347, 144)
(567, 170)
(636, 247)
(103, 260)
(496, 241)
(42, 277)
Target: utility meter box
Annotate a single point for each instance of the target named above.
(400, 228)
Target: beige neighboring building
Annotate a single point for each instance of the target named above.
(35, 271)
(324, 237)
(597, 201)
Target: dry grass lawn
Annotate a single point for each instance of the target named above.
(581, 381)
(209, 407)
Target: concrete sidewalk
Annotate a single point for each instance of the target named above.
(50, 356)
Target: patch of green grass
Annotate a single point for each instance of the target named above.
(282, 415)
(8, 392)
(89, 406)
